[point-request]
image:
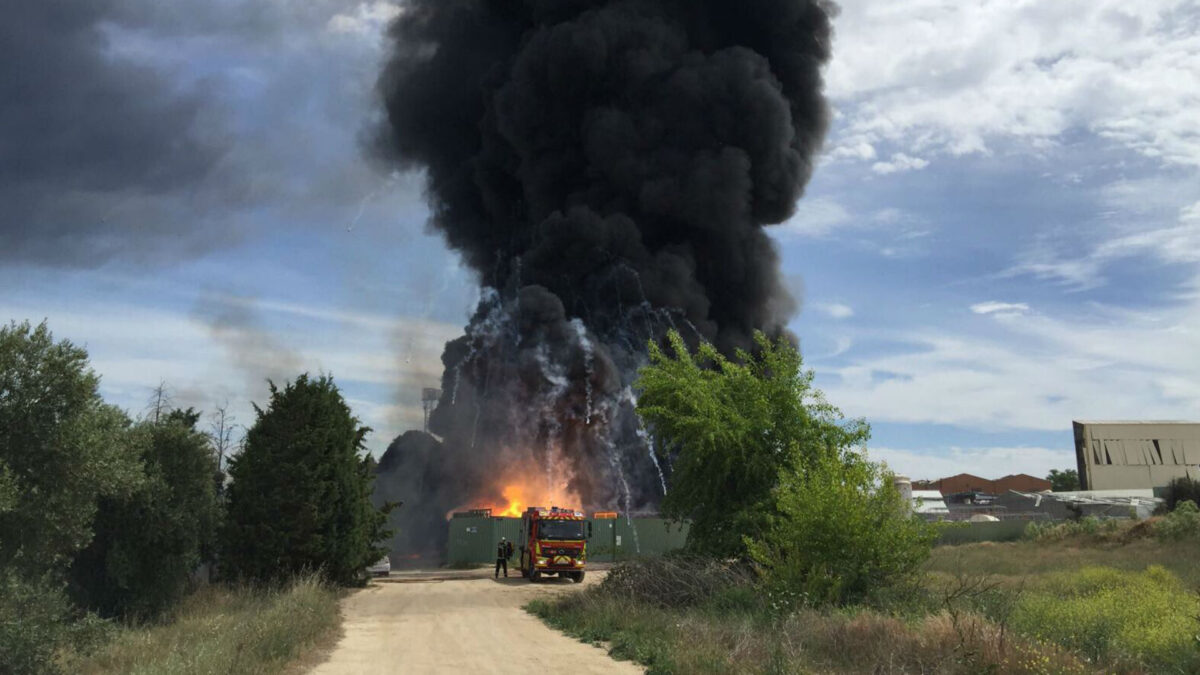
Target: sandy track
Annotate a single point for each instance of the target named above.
(458, 625)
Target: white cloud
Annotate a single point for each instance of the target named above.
(816, 217)
(854, 147)
(1190, 214)
(835, 310)
(1030, 371)
(900, 163)
(984, 462)
(1133, 235)
(1000, 308)
(949, 76)
(367, 18)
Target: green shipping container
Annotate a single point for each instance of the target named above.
(472, 539)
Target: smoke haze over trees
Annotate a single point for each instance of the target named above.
(607, 168)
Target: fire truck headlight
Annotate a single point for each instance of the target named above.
(541, 561)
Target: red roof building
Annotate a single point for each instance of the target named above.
(965, 482)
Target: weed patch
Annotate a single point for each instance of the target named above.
(1131, 620)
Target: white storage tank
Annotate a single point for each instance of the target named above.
(904, 487)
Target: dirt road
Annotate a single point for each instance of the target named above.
(458, 624)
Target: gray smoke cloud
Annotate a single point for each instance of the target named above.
(84, 132)
(607, 168)
(148, 132)
(236, 324)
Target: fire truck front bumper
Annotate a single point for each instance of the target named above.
(558, 564)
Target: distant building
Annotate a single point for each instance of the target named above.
(929, 504)
(969, 483)
(1067, 505)
(1135, 455)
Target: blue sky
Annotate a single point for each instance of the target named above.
(1003, 234)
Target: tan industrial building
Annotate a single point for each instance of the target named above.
(1136, 455)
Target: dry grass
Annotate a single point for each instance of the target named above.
(223, 630)
(808, 641)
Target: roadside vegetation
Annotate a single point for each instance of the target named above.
(1121, 602)
(221, 629)
(111, 527)
(803, 559)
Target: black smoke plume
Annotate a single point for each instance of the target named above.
(607, 167)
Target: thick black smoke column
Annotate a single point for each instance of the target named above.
(607, 167)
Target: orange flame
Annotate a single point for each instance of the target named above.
(518, 496)
(516, 501)
(525, 484)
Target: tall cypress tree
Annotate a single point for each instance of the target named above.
(300, 497)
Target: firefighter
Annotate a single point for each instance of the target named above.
(503, 551)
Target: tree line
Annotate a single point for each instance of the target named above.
(106, 517)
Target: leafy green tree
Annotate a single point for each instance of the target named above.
(149, 543)
(61, 450)
(1063, 481)
(300, 498)
(769, 471)
(736, 427)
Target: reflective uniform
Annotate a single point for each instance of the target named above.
(502, 553)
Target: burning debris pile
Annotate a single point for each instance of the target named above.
(607, 168)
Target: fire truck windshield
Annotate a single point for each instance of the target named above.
(560, 530)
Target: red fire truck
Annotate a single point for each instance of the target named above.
(553, 542)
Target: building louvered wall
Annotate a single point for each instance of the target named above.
(1128, 455)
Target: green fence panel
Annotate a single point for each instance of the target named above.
(602, 543)
(656, 536)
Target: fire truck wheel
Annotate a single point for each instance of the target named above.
(535, 576)
(577, 577)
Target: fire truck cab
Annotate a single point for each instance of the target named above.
(553, 542)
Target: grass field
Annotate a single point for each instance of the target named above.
(1083, 604)
(223, 630)
(1017, 560)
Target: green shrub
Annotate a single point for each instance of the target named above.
(33, 621)
(36, 621)
(1139, 619)
(842, 532)
(1182, 523)
(1090, 526)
